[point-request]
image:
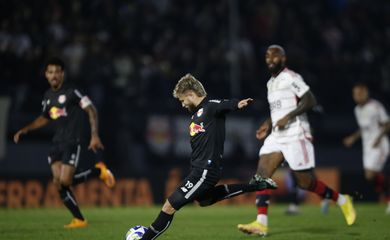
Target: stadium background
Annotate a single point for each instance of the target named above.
(127, 56)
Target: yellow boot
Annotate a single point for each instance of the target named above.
(253, 228)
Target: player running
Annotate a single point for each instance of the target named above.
(63, 105)
(374, 124)
(207, 132)
(289, 98)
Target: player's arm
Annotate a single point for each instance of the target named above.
(384, 121)
(385, 130)
(37, 123)
(351, 139)
(264, 129)
(225, 106)
(95, 143)
(307, 102)
(86, 104)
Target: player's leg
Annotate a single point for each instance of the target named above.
(300, 156)
(374, 160)
(293, 194)
(226, 191)
(55, 163)
(56, 171)
(307, 180)
(376, 179)
(381, 184)
(197, 183)
(68, 198)
(99, 170)
(161, 223)
(387, 194)
(70, 159)
(267, 165)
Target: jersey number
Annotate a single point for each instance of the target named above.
(187, 186)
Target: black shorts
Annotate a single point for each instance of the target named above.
(194, 186)
(67, 153)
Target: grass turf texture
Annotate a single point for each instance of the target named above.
(218, 222)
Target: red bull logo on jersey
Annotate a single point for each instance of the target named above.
(196, 128)
(55, 113)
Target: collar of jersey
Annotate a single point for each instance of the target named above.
(272, 77)
(200, 105)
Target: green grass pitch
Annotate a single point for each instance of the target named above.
(216, 222)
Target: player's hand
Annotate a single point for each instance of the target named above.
(281, 124)
(262, 132)
(243, 103)
(95, 144)
(18, 134)
(349, 141)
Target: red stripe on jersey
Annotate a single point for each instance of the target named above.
(304, 150)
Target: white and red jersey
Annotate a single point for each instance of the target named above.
(284, 92)
(370, 117)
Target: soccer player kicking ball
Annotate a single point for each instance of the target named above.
(374, 124)
(207, 132)
(289, 98)
(63, 105)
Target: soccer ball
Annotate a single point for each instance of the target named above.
(135, 233)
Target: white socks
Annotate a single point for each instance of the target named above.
(341, 199)
(263, 219)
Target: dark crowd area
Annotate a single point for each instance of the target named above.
(128, 55)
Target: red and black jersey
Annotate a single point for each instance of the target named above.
(207, 131)
(64, 107)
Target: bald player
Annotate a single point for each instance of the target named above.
(288, 138)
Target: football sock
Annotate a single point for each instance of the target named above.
(160, 224)
(387, 190)
(341, 199)
(379, 182)
(225, 191)
(262, 202)
(263, 219)
(84, 176)
(294, 197)
(325, 192)
(70, 202)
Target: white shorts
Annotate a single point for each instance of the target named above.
(374, 159)
(298, 153)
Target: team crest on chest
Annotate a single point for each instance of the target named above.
(62, 99)
(199, 112)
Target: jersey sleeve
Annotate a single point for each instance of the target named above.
(298, 86)
(223, 106)
(83, 100)
(383, 116)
